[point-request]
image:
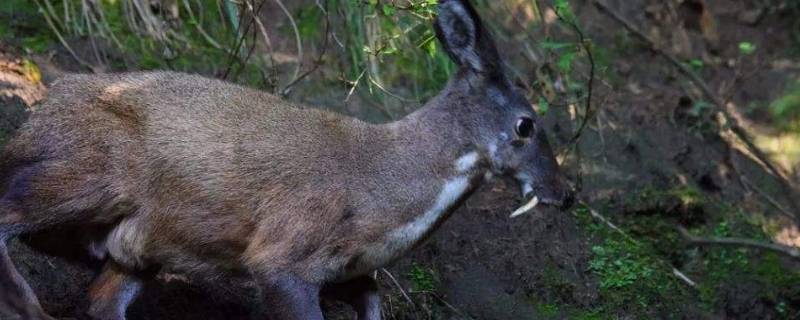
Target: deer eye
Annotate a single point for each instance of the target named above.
(524, 127)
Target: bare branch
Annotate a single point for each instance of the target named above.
(296, 36)
(317, 62)
(738, 242)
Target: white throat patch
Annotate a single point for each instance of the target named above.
(401, 239)
(467, 162)
(405, 236)
(451, 192)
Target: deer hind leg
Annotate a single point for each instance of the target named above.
(17, 299)
(361, 293)
(36, 197)
(288, 297)
(113, 291)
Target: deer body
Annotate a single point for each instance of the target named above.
(198, 176)
(240, 186)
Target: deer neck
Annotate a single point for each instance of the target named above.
(432, 167)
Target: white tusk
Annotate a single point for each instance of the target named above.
(527, 207)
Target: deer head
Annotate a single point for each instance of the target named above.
(497, 116)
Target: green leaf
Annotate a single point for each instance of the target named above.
(544, 106)
(388, 10)
(696, 64)
(565, 62)
(747, 48)
(431, 48)
(564, 10)
(389, 50)
(550, 45)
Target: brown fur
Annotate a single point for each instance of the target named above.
(199, 176)
(210, 171)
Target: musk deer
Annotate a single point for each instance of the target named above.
(200, 177)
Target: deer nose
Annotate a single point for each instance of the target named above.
(562, 199)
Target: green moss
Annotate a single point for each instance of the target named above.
(786, 109)
(548, 310)
(594, 314)
(422, 278)
(723, 266)
(619, 265)
(633, 277)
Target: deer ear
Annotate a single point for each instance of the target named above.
(460, 31)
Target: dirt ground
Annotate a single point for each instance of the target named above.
(487, 266)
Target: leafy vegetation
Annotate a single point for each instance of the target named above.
(786, 110)
(392, 43)
(632, 274)
(634, 266)
(423, 279)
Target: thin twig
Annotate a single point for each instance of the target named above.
(296, 36)
(590, 85)
(241, 36)
(763, 194)
(355, 84)
(393, 95)
(721, 106)
(267, 42)
(683, 277)
(317, 62)
(450, 306)
(399, 287)
(199, 26)
(792, 252)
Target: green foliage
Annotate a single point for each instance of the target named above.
(632, 274)
(571, 65)
(618, 266)
(543, 105)
(747, 48)
(713, 268)
(22, 24)
(724, 266)
(422, 279)
(786, 109)
(595, 314)
(564, 10)
(547, 310)
(184, 49)
(393, 43)
(695, 64)
(308, 22)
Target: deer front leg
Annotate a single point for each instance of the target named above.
(287, 297)
(112, 292)
(361, 293)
